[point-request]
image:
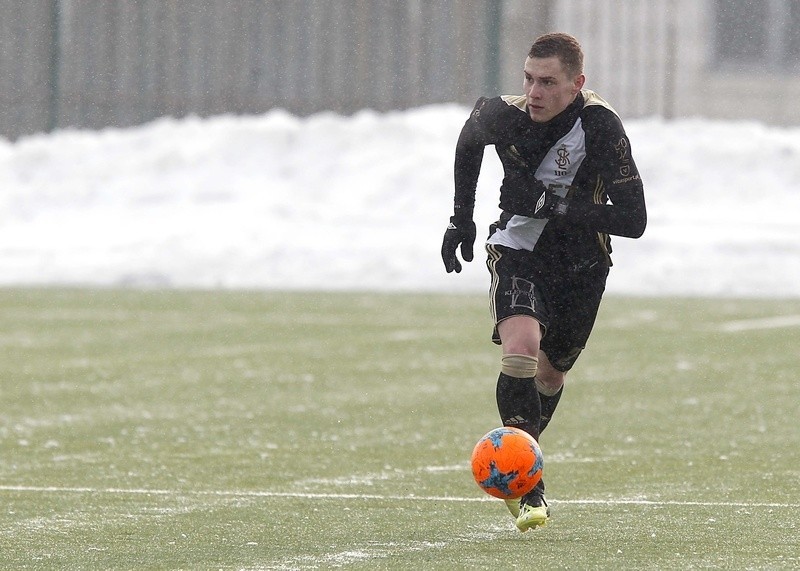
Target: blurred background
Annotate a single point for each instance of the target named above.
(97, 63)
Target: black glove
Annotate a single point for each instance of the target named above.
(528, 196)
(458, 232)
(549, 205)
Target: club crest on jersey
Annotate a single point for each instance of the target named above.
(622, 149)
(624, 157)
(562, 160)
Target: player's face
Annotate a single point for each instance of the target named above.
(548, 88)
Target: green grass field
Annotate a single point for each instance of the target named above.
(243, 430)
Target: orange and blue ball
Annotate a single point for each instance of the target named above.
(507, 463)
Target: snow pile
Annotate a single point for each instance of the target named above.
(361, 202)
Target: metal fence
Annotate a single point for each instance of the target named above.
(632, 50)
(94, 63)
(98, 63)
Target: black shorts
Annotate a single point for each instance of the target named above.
(565, 300)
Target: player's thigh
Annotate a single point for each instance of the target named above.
(520, 334)
(573, 314)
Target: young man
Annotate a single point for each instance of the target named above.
(570, 182)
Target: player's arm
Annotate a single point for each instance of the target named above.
(626, 215)
(469, 157)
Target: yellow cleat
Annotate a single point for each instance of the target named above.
(533, 513)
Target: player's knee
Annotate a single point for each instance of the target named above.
(549, 380)
(549, 386)
(519, 366)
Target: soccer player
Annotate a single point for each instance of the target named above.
(569, 182)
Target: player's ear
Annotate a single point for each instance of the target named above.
(579, 81)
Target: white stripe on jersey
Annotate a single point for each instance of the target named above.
(557, 171)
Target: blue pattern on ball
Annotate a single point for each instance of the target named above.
(539, 464)
(499, 480)
(496, 436)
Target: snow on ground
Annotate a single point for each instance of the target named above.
(331, 202)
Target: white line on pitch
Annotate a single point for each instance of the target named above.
(409, 498)
(761, 323)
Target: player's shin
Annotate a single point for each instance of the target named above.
(549, 402)
(518, 403)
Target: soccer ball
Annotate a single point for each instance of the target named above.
(507, 463)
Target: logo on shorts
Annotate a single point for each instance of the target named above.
(522, 293)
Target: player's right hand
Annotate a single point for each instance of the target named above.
(459, 232)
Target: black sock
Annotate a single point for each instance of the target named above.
(518, 403)
(548, 406)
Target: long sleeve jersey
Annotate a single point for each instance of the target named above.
(583, 152)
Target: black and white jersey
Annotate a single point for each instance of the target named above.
(583, 152)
